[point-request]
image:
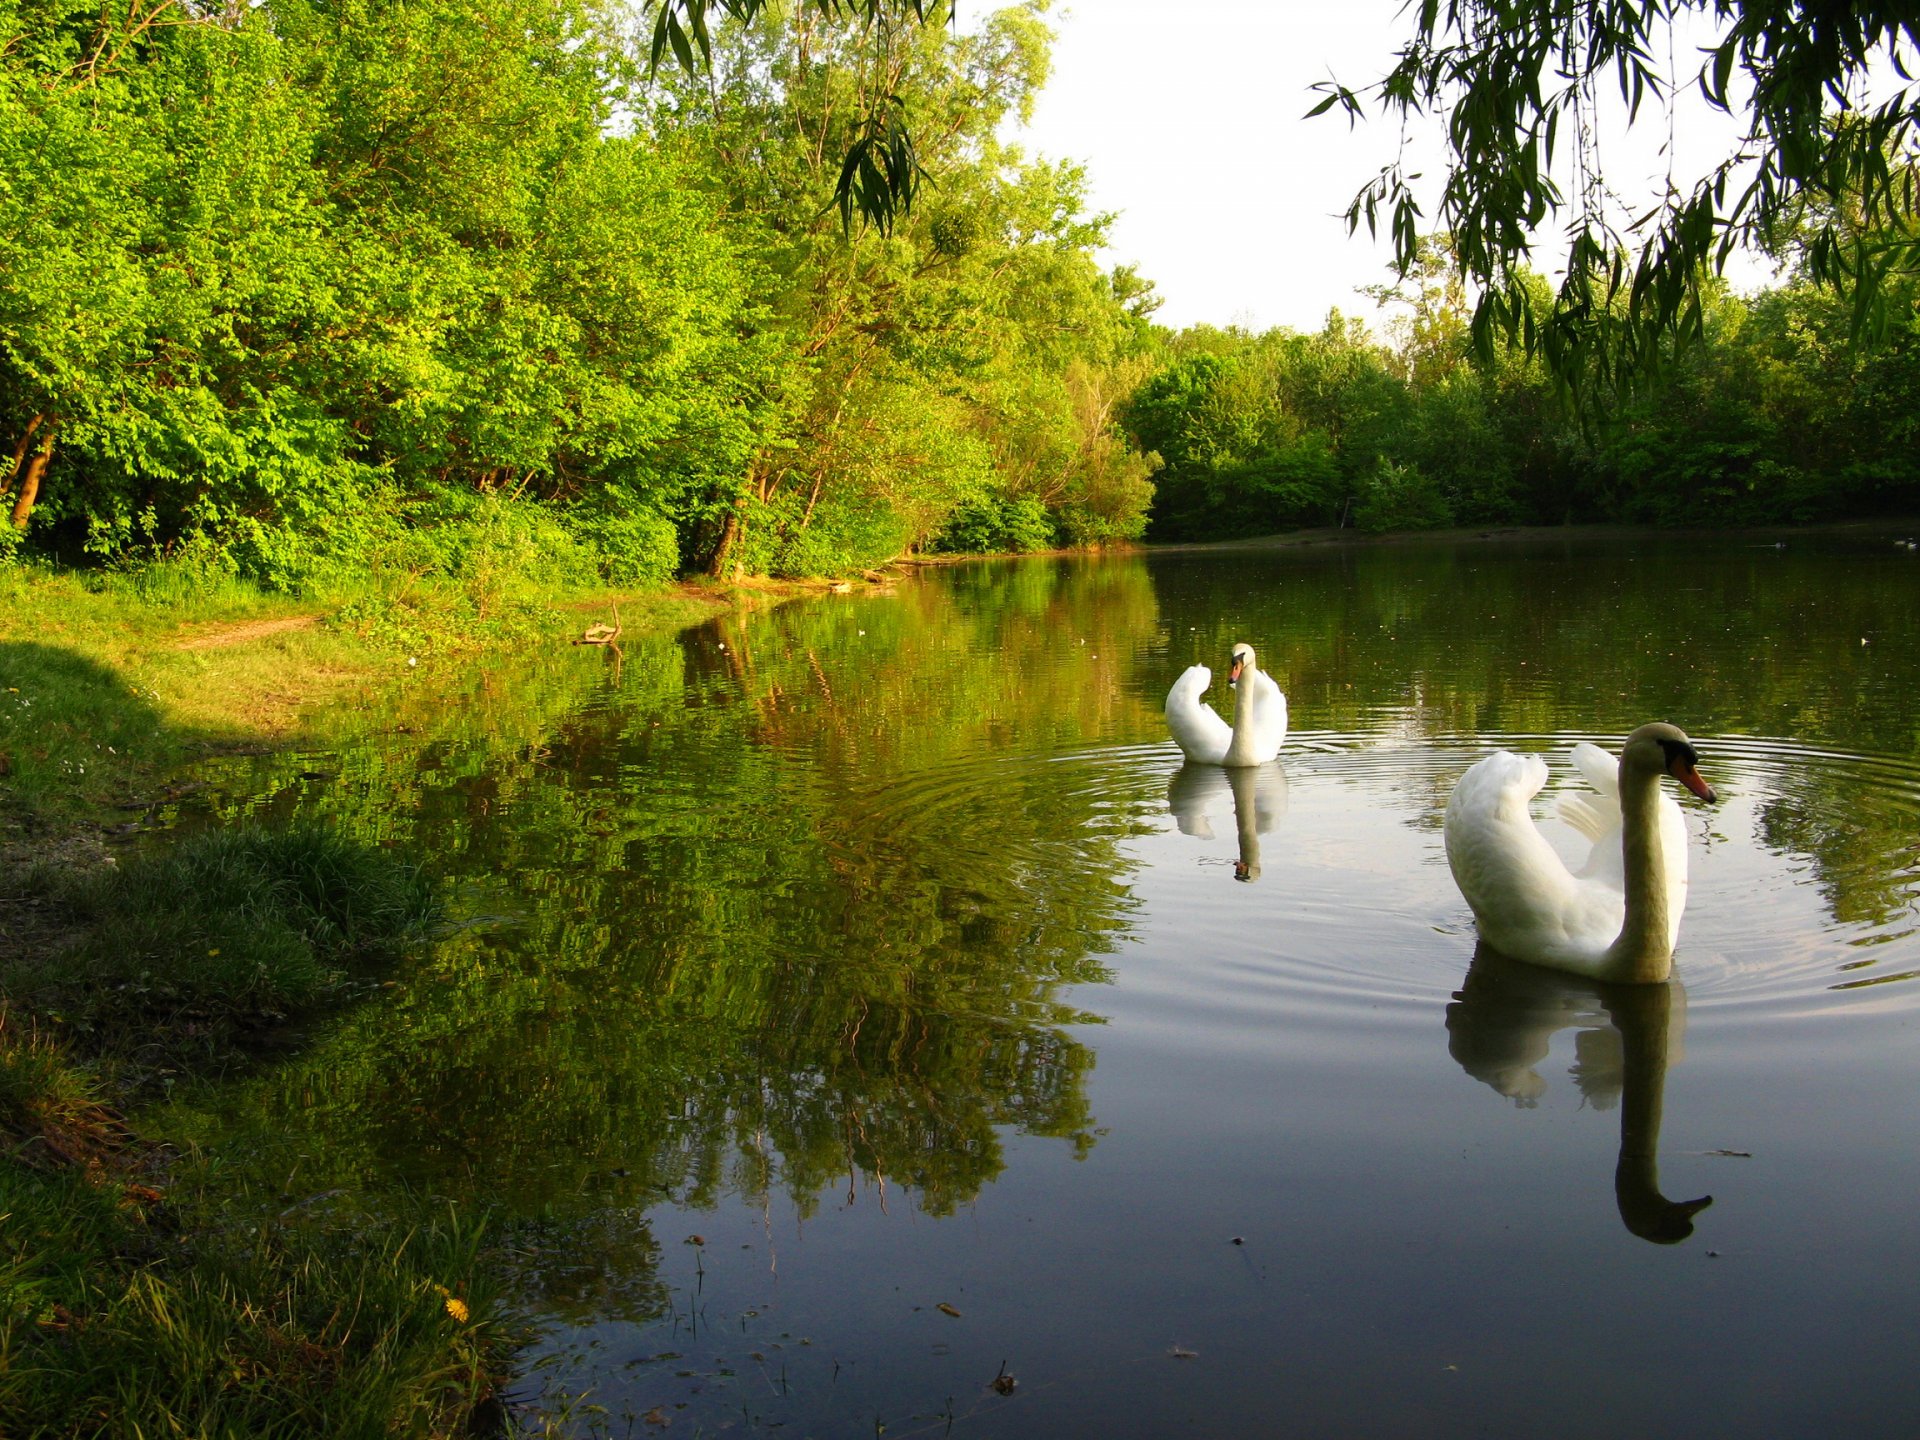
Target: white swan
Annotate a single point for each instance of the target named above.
(1619, 917)
(1259, 715)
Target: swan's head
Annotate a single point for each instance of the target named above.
(1242, 660)
(1666, 748)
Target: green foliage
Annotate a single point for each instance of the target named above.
(392, 252)
(1399, 497)
(948, 362)
(994, 525)
(1772, 417)
(1244, 452)
(310, 291)
(638, 546)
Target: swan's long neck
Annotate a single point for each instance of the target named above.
(1246, 699)
(1644, 950)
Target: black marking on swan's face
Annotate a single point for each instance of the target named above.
(1679, 751)
(1241, 658)
(1682, 763)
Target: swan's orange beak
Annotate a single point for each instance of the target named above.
(1690, 777)
(1233, 673)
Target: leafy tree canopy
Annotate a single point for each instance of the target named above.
(880, 170)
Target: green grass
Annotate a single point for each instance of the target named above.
(185, 957)
(125, 1312)
(148, 1294)
(110, 679)
(144, 1293)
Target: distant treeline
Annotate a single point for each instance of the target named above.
(1773, 418)
(316, 290)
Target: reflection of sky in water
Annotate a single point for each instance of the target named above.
(923, 872)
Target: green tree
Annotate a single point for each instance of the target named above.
(933, 360)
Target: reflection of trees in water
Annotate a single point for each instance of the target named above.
(1849, 843)
(1501, 1025)
(777, 924)
(1518, 637)
(791, 899)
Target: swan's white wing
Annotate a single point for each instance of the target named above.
(1597, 814)
(1598, 768)
(1525, 901)
(1200, 733)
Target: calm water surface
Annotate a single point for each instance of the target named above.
(861, 1005)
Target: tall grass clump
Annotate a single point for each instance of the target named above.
(188, 954)
(120, 1316)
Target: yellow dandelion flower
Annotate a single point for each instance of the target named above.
(457, 1308)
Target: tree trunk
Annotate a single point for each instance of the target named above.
(29, 477)
(20, 458)
(726, 564)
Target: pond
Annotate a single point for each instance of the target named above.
(864, 1023)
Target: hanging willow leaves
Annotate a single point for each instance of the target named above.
(880, 174)
(1816, 161)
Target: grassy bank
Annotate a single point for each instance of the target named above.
(108, 680)
(146, 1291)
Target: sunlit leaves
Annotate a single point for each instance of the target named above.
(271, 268)
(948, 356)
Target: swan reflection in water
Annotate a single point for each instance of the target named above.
(1500, 1025)
(1258, 794)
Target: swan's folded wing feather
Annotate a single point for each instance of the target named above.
(1597, 768)
(1489, 830)
(1590, 819)
(1524, 899)
(1594, 814)
(1198, 731)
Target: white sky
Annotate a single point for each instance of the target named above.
(1188, 117)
